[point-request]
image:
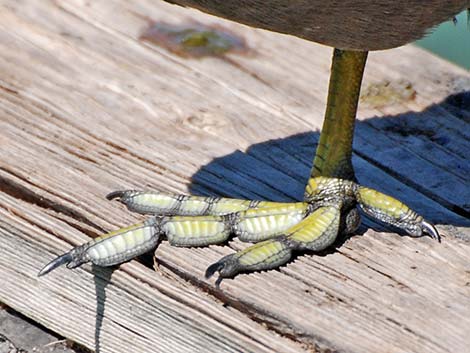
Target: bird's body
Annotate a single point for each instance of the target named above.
(343, 24)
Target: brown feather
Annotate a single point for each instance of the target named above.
(344, 24)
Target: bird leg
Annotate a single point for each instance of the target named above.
(330, 207)
(331, 184)
(334, 151)
(331, 187)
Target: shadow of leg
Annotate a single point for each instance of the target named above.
(416, 156)
(102, 276)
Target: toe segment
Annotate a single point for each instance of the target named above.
(318, 231)
(123, 244)
(266, 255)
(264, 223)
(187, 231)
(166, 204)
(392, 211)
(112, 248)
(315, 232)
(253, 225)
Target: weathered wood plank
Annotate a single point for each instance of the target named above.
(133, 308)
(86, 108)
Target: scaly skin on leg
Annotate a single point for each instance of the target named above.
(334, 151)
(329, 207)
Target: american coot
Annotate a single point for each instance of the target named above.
(332, 196)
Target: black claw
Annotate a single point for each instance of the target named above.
(429, 229)
(215, 267)
(218, 282)
(115, 195)
(59, 261)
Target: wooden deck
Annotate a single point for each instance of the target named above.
(87, 108)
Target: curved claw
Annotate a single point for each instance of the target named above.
(212, 269)
(64, 259)
(430, 230)
(74, 258)
(228, 266)
(115, 195)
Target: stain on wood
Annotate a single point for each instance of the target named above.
(194, 39)
(380, 94)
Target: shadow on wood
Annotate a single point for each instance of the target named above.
(418, 159)
(102, 277)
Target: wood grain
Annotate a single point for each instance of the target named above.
(86, 108)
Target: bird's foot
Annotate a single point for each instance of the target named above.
(330, 208)
(335, 213)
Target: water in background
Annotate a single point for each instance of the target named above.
(451, 41)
